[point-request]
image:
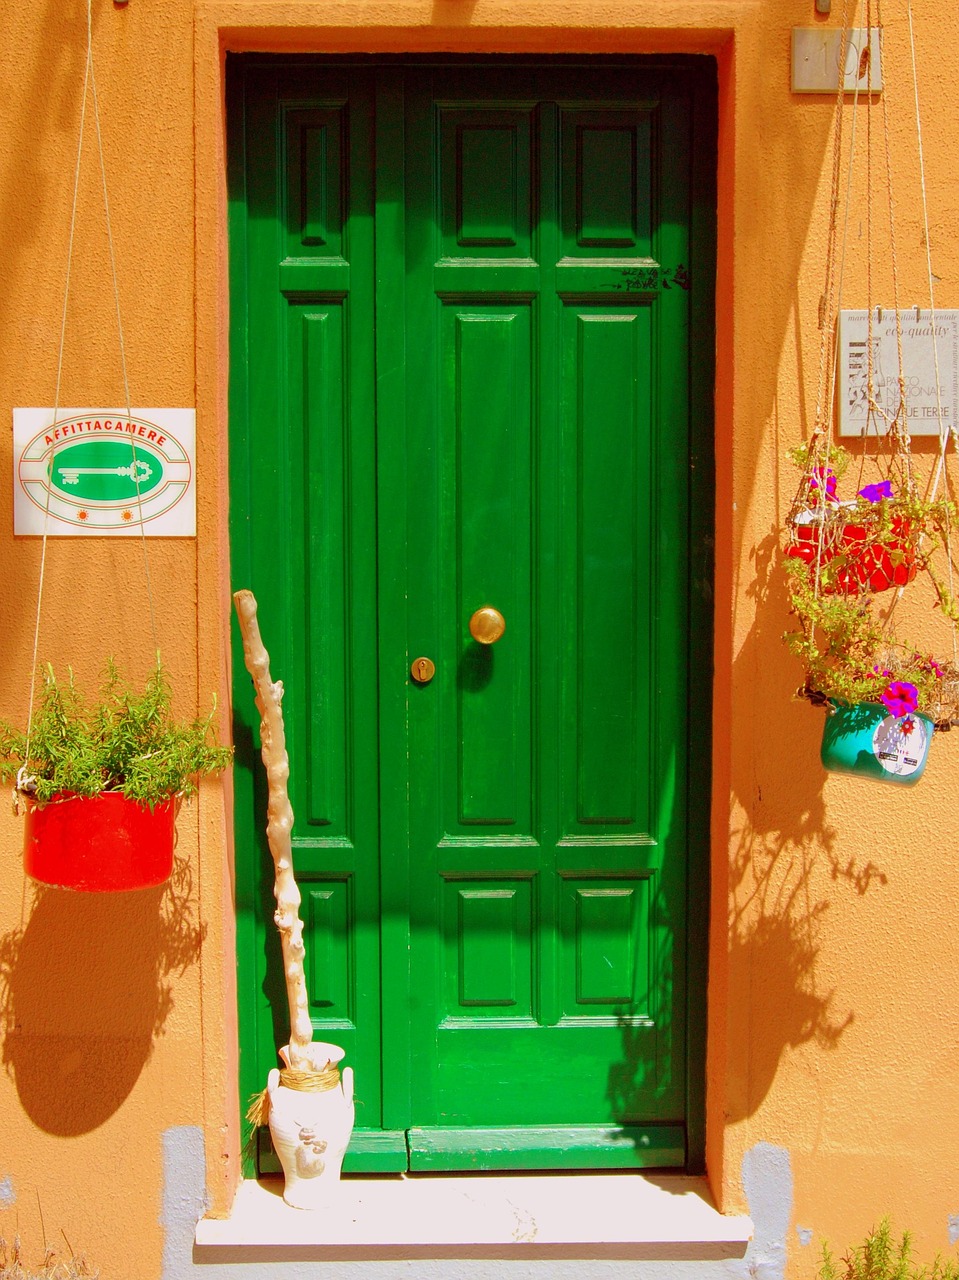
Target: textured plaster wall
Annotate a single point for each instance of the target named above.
(833, 1024)
(104, 1002)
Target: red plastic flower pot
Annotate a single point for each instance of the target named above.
(99, 844)
(869, 565)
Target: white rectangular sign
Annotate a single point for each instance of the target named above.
(926, 408)
(104, 473)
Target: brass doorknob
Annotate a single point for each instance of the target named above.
(487, 625)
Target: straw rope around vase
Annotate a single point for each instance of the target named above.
(308, 1105)
(258, 1112)
(852, 550)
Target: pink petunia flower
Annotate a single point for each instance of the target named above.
(900, 698)
(821, 477)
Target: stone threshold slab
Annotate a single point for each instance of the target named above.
(618, 1214)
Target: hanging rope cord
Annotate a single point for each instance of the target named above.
(944, 433)
(89, 84)
(817, 461)
(899, 421)
(874, 410)
(826, 324)
(945, 430)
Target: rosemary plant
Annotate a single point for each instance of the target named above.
(126, 741)
(880, 1257)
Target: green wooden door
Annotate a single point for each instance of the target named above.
(471, 357)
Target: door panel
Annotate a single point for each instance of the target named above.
(303, 519)
(547, 862)
(465, 381)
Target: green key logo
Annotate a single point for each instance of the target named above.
(105, 471)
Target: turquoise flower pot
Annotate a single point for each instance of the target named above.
(865, 739)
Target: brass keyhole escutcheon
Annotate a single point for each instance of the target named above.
(423, 670)
(487, 625)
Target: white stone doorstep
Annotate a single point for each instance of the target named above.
(619, 1214)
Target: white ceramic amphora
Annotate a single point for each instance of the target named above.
(311, 1130)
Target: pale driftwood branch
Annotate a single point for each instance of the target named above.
(279, 827)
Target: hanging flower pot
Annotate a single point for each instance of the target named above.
(875, 566)
(854, 559)
(99, 844)
(868, 740)
(101, 782)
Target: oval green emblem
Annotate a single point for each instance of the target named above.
(105, 471)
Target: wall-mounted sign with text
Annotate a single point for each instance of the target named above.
(104, 472)
(931, 404)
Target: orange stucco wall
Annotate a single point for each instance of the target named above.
(833, 1023)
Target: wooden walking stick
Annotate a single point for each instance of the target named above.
(308, 1105)
(279, 828)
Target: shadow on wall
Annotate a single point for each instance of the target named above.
(781, 859)
(452, 13)
(782, 855)
(85, 990)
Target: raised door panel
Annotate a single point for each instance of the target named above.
(483, 510)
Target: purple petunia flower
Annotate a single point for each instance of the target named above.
(900, 698)
(875, 492)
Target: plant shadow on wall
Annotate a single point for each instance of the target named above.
(782, 854)
(782, 857)
(86, 987)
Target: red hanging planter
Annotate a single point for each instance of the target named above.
(869, 566)
(100, 844)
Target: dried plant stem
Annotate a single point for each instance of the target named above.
(279, 826)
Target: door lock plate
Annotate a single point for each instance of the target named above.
(422, 670)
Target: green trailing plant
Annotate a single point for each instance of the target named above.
(848, 658)
(126, 741)
(881, 1257)
(804, 456)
